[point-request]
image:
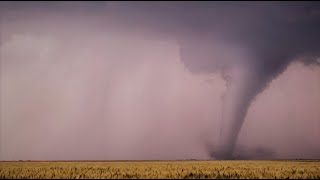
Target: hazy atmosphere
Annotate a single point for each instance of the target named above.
(159, 80)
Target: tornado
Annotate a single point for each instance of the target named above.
(249, 50)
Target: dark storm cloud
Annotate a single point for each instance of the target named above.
(270, 34)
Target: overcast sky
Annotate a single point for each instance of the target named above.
(159, 80)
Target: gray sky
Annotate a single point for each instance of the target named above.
(159, 80)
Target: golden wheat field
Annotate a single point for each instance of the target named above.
(161, 169)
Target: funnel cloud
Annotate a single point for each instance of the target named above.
(159, 80)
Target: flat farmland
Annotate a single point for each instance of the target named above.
(160, 169)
